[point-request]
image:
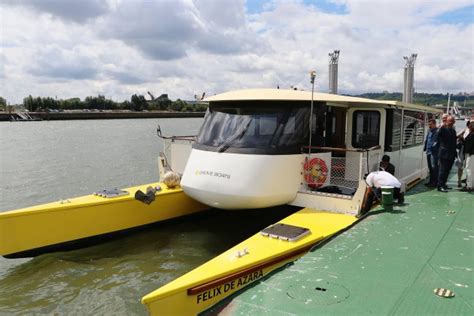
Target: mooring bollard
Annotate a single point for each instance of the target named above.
(387, 198)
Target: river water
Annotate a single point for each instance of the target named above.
(46, 161)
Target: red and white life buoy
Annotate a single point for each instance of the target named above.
(315, 172)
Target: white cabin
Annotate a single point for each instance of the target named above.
(253, 150)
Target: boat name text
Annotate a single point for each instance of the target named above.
(229, 286)
(212, 174)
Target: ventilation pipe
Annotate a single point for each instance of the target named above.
(409, 78)
(333, 60)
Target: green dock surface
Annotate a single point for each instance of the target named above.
(388, 264)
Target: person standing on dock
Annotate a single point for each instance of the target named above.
(444, 120)
(469, 156)
(446, 152)
(431, 148)
(460, 161)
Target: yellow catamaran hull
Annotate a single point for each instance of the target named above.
(35, 228)
(241, 265)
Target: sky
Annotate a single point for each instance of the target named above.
(117, 48)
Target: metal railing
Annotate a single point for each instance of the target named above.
(175, 150)
(324, 172)
(173, 138)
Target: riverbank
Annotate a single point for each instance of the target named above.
(54, 116)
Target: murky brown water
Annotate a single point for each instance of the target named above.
(46, 161)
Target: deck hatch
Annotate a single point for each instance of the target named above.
(285, 232)
(108, 194)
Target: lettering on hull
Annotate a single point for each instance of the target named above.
(229, 286)
(212, 174)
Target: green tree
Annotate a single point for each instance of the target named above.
(139, 103)
(29, 103)
(3, 104)
(50, 103)
(71, 104)
(178, 105)
(126, 105)
(201, 107)
(164, 103)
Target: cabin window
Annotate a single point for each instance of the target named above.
(393, 130)
(290, 126)
(267, 124)
(365, 129)
(263, 127)
(413, 128)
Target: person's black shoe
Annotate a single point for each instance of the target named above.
(443, 190)
(464, 189)
(401, 198)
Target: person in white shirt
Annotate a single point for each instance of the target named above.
(377, 179)
(460, 160)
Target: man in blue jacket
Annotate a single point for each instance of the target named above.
(446, 152)
(431, 148)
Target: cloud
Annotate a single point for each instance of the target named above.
(394, 14)
(57, 63)
(120, 47)
(168, 30)
(67, 10)
(3, 62)
(126, 77)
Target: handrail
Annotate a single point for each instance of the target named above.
(343, 149)
(181, 137)
(184, 137)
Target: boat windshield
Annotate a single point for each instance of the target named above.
(254, 127)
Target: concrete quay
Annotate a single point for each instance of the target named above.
(46, 116)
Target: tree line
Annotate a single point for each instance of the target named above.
(100, 102)
(163, 103)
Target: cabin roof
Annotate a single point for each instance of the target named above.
(298, 95)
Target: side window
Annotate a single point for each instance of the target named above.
(413, 128)
(393, 130)
(365, 129)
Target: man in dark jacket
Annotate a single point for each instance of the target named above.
(385, 165)
(446, 152)
(431, 148)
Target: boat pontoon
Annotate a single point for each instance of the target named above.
(267, 147)
(256, 149)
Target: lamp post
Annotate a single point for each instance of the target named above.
(312, 75)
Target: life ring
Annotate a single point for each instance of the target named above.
(315, 172)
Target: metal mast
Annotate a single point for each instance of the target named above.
(333, 60)
(409, 78)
